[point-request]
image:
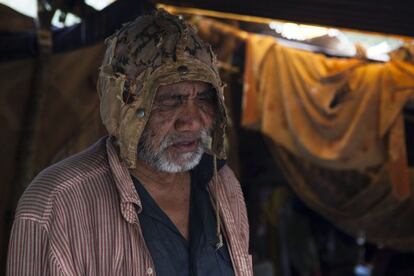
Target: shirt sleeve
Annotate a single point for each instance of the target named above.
(29, 250)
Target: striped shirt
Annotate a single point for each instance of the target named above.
(79, 217)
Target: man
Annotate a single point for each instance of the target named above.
(153, 197)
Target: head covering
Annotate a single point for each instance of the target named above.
(151, 51)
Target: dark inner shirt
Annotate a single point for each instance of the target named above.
(171, 252)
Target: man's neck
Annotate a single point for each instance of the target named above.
(171, 191)
(159, 180)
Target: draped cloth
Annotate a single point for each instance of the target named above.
(335, 126)
(332, 111)
(360, 204)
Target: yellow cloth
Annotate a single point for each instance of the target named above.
(337, 134)
(334, 112)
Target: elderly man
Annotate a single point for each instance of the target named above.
(155, 197)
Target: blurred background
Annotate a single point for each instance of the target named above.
(321, 99)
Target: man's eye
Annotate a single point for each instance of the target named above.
(170, 101)
(205, 96)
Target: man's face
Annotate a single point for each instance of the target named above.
(179, 126)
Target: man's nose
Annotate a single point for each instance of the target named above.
(189, 117)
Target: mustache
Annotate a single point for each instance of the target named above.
(174, 138)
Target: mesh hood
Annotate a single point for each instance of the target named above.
(151, 51)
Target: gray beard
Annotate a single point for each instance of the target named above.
(161, 160)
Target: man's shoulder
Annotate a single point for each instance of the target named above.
(56, 181)
(227, 175)
(230, 184)
(77, 167)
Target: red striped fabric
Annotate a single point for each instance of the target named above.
(78, 217)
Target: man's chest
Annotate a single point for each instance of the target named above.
(177, 209)
(176, 254)
(171, 198)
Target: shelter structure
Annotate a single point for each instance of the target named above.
(335, 123)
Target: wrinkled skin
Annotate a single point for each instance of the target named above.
(178, 128)
(182, 114)
(153, 49)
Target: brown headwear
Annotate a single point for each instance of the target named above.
(151, 51)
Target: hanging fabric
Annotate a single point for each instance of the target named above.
(334, 112)
(335, 128)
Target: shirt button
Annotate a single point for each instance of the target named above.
(149, 270)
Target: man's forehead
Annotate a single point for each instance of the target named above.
(184, 87)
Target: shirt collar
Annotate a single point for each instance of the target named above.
(127, 192)
(129, 197)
